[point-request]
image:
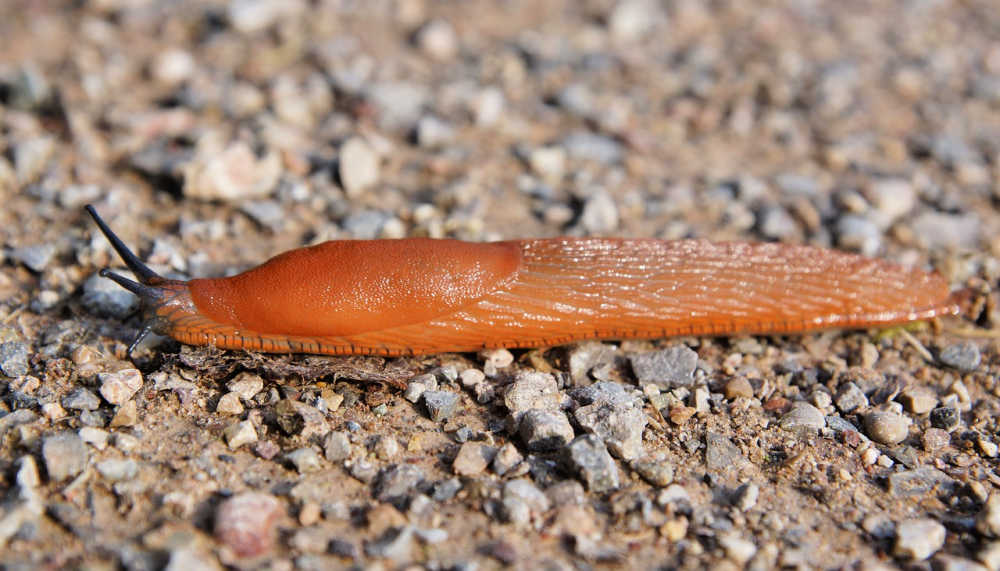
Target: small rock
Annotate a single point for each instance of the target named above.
(398, 104)
(31, 157)
(656, 471)
(919, 399)
(247, 523)
(600, 214)
(358, 167)
(246, 385)
(588, 457)
(887, 427)
(433, 132)
(803, 416)
(172, 66)
(738, 387)
(65, 455)
(441, 405)
(737, 549)
(96, 437)
(935, 439)
(446, 489)
(587, 146)
(532, 390)
(229, 403)
(496, 358)
(81, 399)
(850, 398)
(919, 481)
(963, 356)
(545, 430)
(438, 40)
(506, 459)
(892, 197)
(472, 459)
(232, 174)
(126, 415)
(386, 448)
(521, 499)
(918, 539)
(723, 457)
(337, 446)
(776, 223)
(670, 368)
(746, 496)
(416, 387)
(397, 482)
(619, 427)
(117, 388)
(305, 460)
(471, 377)
(945, 418)
(395, 544)
(488, 106)
(104, 297)
(630, 20)
(988, 520)
(118, 470)
(987, 447)
(299, 419)
(549, 163)
(14, 358)
(310, 540)
(859, 234)
(240, 433)
(940, 231)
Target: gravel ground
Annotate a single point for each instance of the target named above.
(212, 136)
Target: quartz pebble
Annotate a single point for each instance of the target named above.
(116, 388)
(65, 455)
(358, 166)
(918, 539)
(472, 459)
(247, 523)
(803, 416)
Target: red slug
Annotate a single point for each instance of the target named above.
(418, 295)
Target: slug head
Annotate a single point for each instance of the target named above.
(162, 300)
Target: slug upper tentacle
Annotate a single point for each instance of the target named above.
(414, 296)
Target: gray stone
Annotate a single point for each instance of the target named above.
(803, 416)
(36, 257)
(117, 388)
(117, 470)
(746, 496)
(337, 446)
(521, 500)
(437, 39)
(433, 132)
(587, 457)
(14, 358)
(920, 481)
(545, 430)
(473, 458)
(395, 544)
(607, 392)
(417, 386)
(620, 427)
(723, 457)
(934, 439)
(918, 539)
(792, 183)
(887, 427)
(945, 418)
(65, 455)
(850, 398)
(776, 223)
(246, 384)
(104, 297)
(630, 20)
(963, 356)
(446, 489)
(397, 482)
(670, 368)
(859, 234)
(305, 460)
(239, 433)
(532, 390)
(398, 104)
(600, 214)
(657, 471)
(441, 405)
(588, 146)
(229, 403)
(892, 197)
(939, 231)
(506, 459)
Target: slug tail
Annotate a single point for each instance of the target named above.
(146, 275)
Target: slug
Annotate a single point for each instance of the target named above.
(418, 295)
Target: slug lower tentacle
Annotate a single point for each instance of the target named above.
(417, 296)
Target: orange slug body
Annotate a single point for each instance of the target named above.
(417, 296)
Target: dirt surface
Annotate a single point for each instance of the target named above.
(212, 136)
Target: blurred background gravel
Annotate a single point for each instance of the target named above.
(212, 135)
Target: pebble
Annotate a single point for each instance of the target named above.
(117, 388)
(988, 519)
(31, 158)
(945, 418)
(438, 40)
(472, 459)
(630, 20)
(398, 104)
(934, 439)
(433, 132)
(126, 415)
(441, 405)
(737, 549)
(893, 198)
(777, 224)
(620, 428)
(588, 146)
(104, 297)
(600, 214)
(919, 481)
(298, 418)
(803, 415)
(507, 458)
(657, 471)
(963, 356)
(417, 386)
(723, 457)
(521, 500)
(549, 163)
(116, 470)
(96, 437)
(231, 174)
(918, 399)
(65, 455)
(939, 231)
(395, 544)
(850, 398)
(229, 403)
(246, 385)
(446, 489)
(397, 482)
(859, 234)
(545, 430)
(239, 433)
(589, 459)
(386, 448)
(887, 427)
(532, 390)
(987, 447)
(357, 166)
(746, 496)
(488, 106)
(14, 358)
(670, 368)
(918, 539)
(305, 460)
(738, 387)
(172, 66)
(337, 446)
(247, 523)
(471, 377)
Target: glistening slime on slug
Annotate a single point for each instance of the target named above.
(421, 295)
